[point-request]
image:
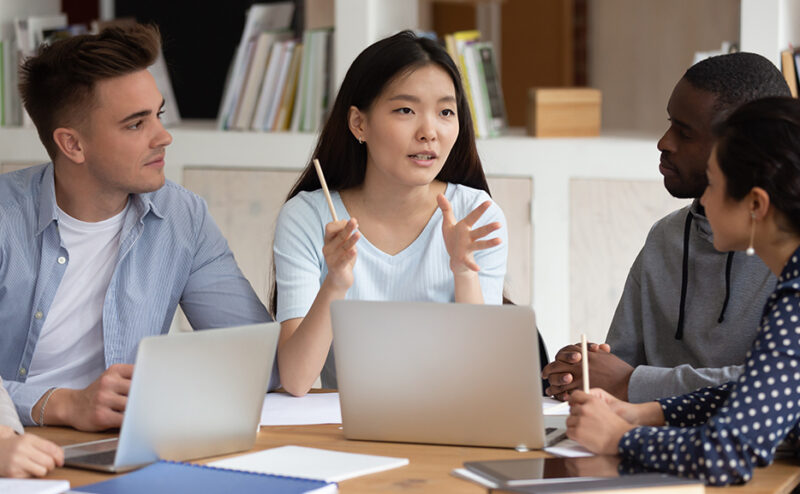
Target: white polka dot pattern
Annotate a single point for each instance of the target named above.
(719, 434)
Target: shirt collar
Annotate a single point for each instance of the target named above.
(143, 203)
(47, 200)
(791, 270)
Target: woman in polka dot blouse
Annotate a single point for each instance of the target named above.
(719, 434)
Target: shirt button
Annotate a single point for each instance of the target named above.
(22, 371)
(62, 260)
(38, 314)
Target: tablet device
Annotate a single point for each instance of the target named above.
(551, 475)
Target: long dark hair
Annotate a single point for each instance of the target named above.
(344, 160)
(759, 146)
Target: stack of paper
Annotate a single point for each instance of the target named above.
(310, 463)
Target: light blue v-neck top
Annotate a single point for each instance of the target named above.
(420, 272)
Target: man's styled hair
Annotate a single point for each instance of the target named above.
(737, 78)
(57, 85)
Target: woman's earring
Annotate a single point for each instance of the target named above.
(750, 250)
(360, 141)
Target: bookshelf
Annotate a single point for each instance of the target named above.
(589, 201)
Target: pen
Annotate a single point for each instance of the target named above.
(325, 188)
(584, 364)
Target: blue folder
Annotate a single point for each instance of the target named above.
(175, 478)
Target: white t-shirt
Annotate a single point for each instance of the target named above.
(69, 352)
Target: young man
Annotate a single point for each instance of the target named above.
(688, 313)
(23, 455)
(96, 250)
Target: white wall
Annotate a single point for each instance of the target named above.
(359, 23)
(769, 26)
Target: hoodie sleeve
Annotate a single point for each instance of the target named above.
(649, 383)
(625, 334)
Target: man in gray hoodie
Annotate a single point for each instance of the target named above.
(688, 313)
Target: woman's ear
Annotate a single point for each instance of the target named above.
(759, 202)
(356, 120)
(69, 143)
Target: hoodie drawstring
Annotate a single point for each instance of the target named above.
(687, 230)
(727, 286)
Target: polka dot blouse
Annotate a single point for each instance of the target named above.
(719, 434)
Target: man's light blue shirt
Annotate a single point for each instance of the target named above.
(171, 252)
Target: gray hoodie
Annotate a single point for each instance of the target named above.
(724, 294)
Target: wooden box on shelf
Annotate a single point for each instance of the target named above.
(562, 112)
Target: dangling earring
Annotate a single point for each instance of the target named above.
(750, 250)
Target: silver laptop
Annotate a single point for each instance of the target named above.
(192, 395)
(439, 373)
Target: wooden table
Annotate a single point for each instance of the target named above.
(428, 471)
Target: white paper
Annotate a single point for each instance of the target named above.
(568, 448)
(551, 406)
(313, 408)
(32, 486)
(310, 463)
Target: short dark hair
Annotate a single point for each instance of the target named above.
(735, 79)
(759, 146)
(344, 160)
(57, 84)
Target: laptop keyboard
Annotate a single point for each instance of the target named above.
(103, 458)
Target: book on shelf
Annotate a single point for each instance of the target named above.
(262, 49)
(170, 477)
(12, 104)
(281, 80)
(796, 57)
(275, 69)
(475, 60)
(302, 84)
(282, 118)
(473, 73)
(260, 18)
(313, 89)
(2, 84)
(492, 89)
(789, 70)
(460, 39)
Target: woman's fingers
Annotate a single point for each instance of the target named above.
(476, 213)
(484, 230)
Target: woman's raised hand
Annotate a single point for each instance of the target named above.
(340, 252)
(461, 240)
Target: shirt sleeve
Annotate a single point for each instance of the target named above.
(297, 254)
(25, 396)
(8, 414)
(746, 419)
(493, 261)
(217, 294)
